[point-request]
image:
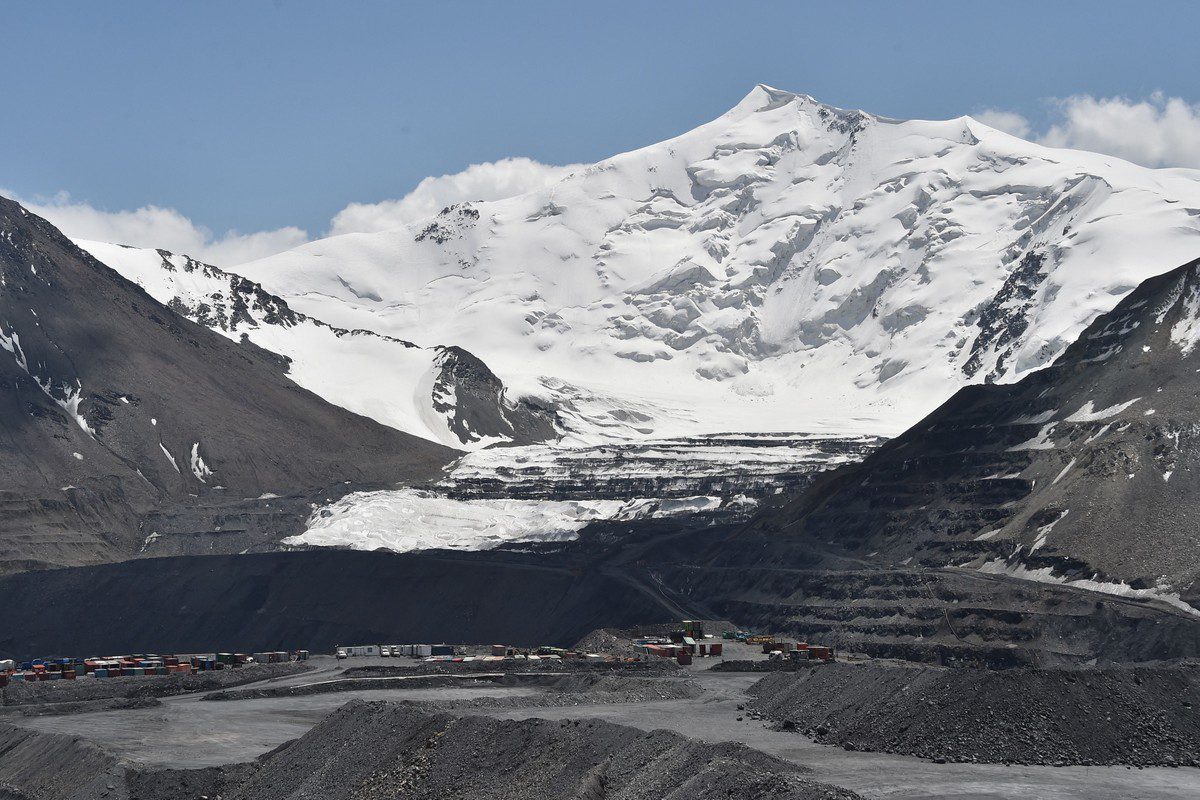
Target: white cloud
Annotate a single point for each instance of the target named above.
(1158, 131)
(152, 226)
(166, 228)
(493, 180)
(1007, 121)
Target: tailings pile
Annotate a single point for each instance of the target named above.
(1143, 716)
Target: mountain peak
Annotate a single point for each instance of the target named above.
(768, 98)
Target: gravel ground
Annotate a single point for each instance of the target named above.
(336, 685)
(577, 688)
(1141, 716)
(405, 667)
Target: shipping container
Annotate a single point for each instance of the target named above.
(361, 649)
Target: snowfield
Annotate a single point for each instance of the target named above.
(786, 266)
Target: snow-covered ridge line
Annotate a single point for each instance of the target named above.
(386, 378)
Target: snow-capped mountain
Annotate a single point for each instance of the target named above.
(788, 266)
(443, 394)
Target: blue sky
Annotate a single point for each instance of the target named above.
(254, 115)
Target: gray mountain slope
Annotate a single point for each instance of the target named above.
(1088, 470)
(112, 405)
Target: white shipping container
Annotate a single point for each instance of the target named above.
(362, 650)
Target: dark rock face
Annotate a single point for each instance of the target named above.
(1005, 318)
(474, 402)
(1088, 470)
(112, 405)
(245, 302)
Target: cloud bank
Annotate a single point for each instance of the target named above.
(169, 229)
(1158, 131)
(494, 180)
(166, 228)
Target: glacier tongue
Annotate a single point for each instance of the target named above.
(787, 265)
(506, 496)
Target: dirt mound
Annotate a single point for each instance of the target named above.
(1141, 715)
(372, 751)
(380, 750)
(91, 689)
(738, 665)
(80, 707)
(45, 766)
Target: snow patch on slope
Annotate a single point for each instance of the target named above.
(1046, 575)
(63, 394)
(1087, 413)
(411, 519)
(199, 468)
